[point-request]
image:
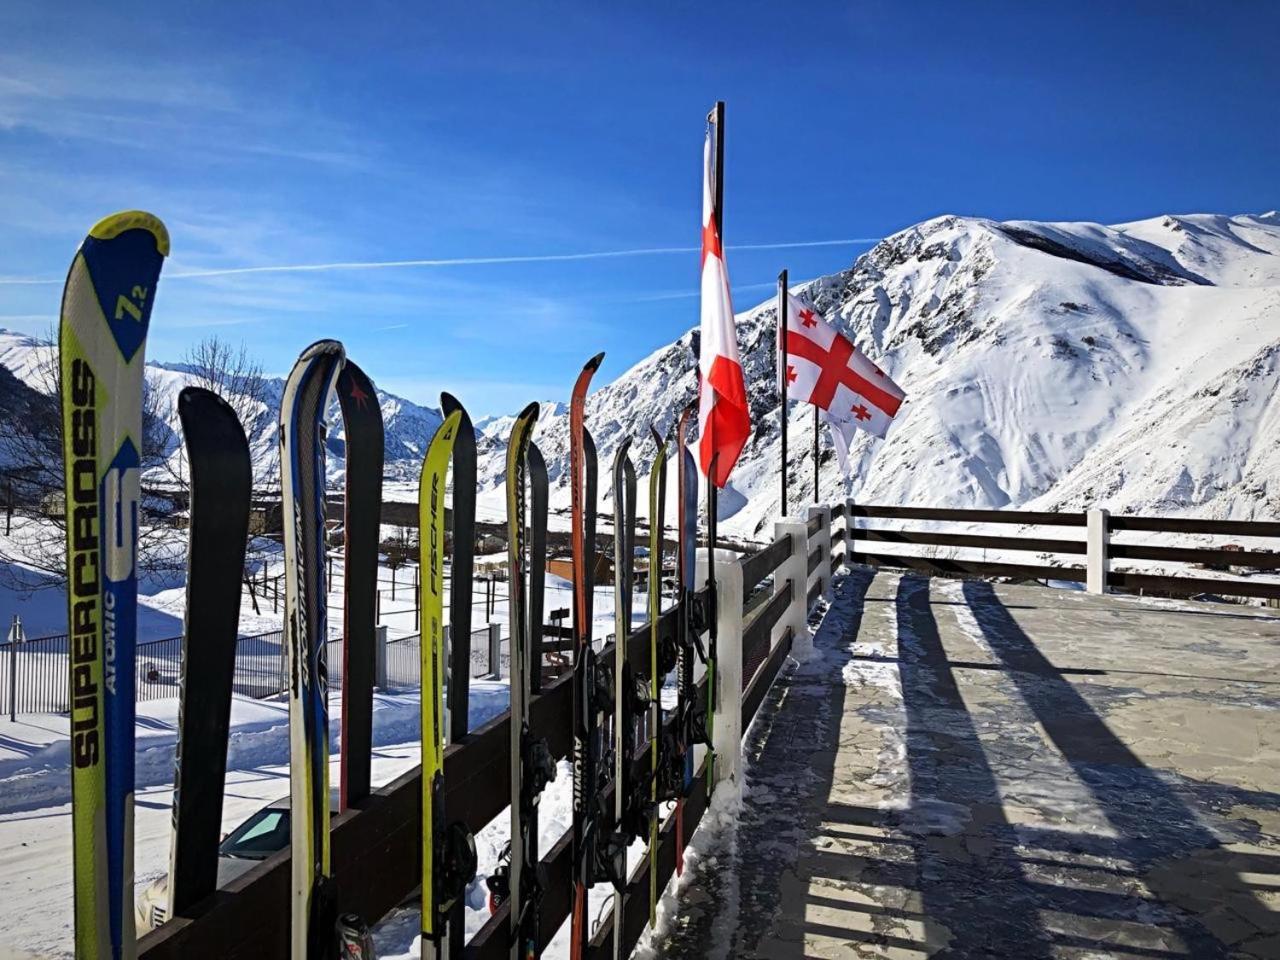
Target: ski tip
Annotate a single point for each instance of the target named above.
(658, 438)
(594, 363)
(110, 227)
(189, 396)
(450, 403)
(624, 447)
(530, 412)
(322, 347)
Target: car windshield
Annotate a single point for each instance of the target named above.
(258, 837)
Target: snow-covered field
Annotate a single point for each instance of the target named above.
(35, 791)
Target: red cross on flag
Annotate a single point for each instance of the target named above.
(724, 419)
(824, 368)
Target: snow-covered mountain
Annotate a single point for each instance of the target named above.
(1046, 365)
(407, 426)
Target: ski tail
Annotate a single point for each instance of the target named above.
(362, 502)
(221, 478)
(431, 516)
(105, 315)
(302, 412)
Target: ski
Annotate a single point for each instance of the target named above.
(585, 747)
(538, 497)
(362, 506)
(221, 478)
(461, 571)
(657, 666)
(461, 567)
(690, 716)
(102, 333)
(624, 703)
(448, 852)
(532, 765)
(302, 474)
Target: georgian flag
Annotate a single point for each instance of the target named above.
(724, 419)
(825, 368)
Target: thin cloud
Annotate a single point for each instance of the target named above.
(460, 261)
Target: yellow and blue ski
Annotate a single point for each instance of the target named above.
(106, 309)
(302, 475)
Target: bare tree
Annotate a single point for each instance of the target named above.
(31, 454)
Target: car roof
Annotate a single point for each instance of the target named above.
(282, 803)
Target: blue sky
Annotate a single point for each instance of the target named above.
(275, 134)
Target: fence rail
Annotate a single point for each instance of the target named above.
(1098, 551)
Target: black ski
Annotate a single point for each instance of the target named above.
(218, 456)
(538, 494)
(691, 726)
(461, 566)
(629, 701)
(461, 571)
(362, 424)
(532, 765)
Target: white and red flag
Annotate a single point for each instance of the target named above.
(824, 368)
(724, 419)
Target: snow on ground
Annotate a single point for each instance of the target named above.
(35, 808)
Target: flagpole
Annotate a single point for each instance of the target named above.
(717, 118)
(816, 501)
(782, 378)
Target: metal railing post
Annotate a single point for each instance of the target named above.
(495, 651)
(1097, 559)
(15, 637)
(794, 570)
(727, 708)
(380, 658)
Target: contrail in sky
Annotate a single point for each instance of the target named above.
(462, 261)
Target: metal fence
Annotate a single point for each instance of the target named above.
(33, 673)
(404, 659)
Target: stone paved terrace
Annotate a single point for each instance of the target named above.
(967, 769)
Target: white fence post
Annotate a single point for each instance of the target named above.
(822, 540)
(380, 658)
(794, 570)
(1097, 559)
(726, 735)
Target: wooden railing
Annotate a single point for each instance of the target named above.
(376, 847)
(1068, 559)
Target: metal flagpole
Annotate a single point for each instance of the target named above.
(782, 378)
(716, 117)
(815, 455)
